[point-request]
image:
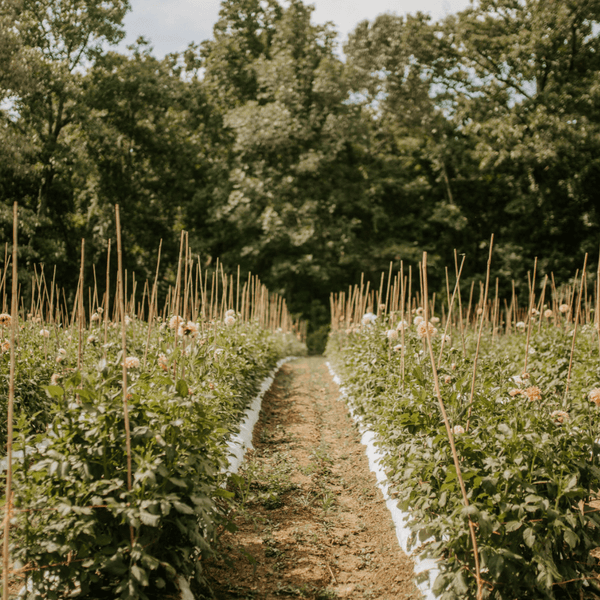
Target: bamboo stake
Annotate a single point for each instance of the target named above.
(107, 298)
(387, 294)
(581, 286)
(598, 304)
(529, 316)
(447, 424)
(11, 400)
(80, 307)
(451, 304)
(470, 301)
(541, 310)
(124, 349)
(487, 283)
(402, 321)
(152, 303)
(460, 315)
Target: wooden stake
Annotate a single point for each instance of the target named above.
(581, 286)
(124, 349)
(447, 422)
(487, 284)
(529, 316)
(14, 321)
(80, 307)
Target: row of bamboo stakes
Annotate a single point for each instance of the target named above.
(398, 300)
(207, 297)
(565, 307)
(196, 295)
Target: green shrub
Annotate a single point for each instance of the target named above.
(530, 471)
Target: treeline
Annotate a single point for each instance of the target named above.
(276, 154)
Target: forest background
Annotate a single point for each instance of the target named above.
(306, 167)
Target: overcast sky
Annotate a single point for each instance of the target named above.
(172, 24)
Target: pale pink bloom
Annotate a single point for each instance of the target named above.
(55, 379)
(392, 334)
(417, 321)
(533, 393)
(435, 320)
(520, 325)
(369, 318)
(548, 313)
(174, 322)
(563, 308)
(190, 328)
(397, 348)
(132, 362)
(162, 361)
(95, 317)
(231, 313)
(91, 339)
(44, 333)
(560, 416)
(447, 379)
(594, 396)
(230, 320)
(5, 320)
(423, 328)
(458, 430)
(401, 325)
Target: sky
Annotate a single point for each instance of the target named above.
(171, 25)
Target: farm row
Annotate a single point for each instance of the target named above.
(76, 525)
(510, 418)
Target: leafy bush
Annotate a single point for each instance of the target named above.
(530, 471)
(74, 531)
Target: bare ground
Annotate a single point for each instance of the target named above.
(314, 524)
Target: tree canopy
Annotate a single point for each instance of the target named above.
(278, 154)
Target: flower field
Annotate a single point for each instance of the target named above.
(488, 422)
(122, 424)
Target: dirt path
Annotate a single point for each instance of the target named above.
(314, 520)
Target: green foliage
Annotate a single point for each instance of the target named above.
(32, 372)
(530, 471)
(183, 407)
(277, 155)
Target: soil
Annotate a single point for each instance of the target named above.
(313, 522)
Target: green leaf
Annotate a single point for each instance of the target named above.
(182, 388)
(140, 575)
(182, 508)
(54, 391)
(571, 538)
(149, 519)
(529, 537)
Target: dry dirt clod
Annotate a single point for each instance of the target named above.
(312, 517)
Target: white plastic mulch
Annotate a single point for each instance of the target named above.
(238, 444)
(399, 517)
(242, 441)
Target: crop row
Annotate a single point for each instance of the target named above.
(76, 527)
(526, 444)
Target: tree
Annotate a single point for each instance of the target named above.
(292, 209)
(49, 45)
